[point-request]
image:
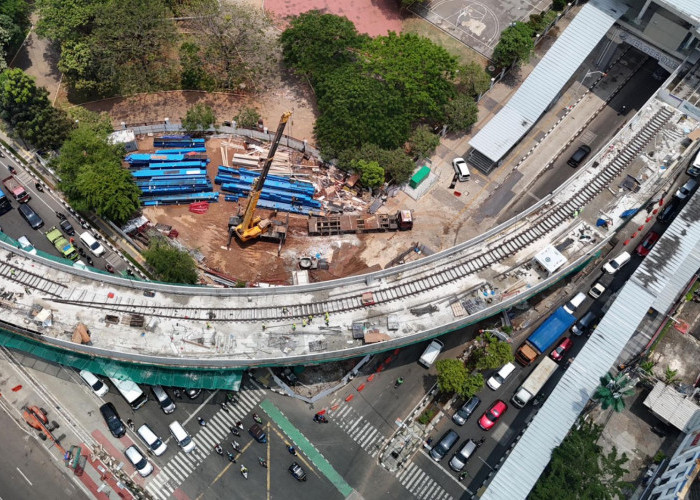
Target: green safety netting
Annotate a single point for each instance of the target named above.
(188, 377)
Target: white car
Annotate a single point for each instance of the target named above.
(98, 387)
(461, 169)
(139, 461)
(615, 264)
(576, 301)
(596, 291)
(25, 245)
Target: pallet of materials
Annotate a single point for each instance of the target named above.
(177, 141)
(147, 173)
(358, 223)
(271, 205)
(183, 151)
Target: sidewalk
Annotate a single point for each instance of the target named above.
(100, 478)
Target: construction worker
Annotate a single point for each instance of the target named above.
(303, 323)
(311, 317)
(284, 310)
(294, 326)
(263, 328)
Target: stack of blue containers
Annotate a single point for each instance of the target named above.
(279, 193)
(172, 177)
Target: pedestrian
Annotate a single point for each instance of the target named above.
(130, 423)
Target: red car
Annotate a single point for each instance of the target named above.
(647, 244)
(492, 415)
(558, 353)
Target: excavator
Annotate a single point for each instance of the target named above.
(249, 226)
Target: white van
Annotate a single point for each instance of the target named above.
(576, 301)
(619, 261)
(431, 353)
(497, 379)
(98, 387)
(93, 245)
(461, 169)
(149, 437)
(183, 439)
(130, 391)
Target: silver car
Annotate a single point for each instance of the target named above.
(465, 411)
(459, 460)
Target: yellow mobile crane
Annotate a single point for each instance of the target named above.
(250, 226)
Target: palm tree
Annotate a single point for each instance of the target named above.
(612, 390)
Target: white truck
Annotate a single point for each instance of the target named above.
(534, 383)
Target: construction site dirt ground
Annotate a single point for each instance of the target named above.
(347, 254)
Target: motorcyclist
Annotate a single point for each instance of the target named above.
(201, 421)
(291, 450)
(219, 449)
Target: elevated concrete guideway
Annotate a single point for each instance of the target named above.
(198, 327)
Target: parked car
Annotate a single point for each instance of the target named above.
(466, 410)
(25, 245)
(585, 323)
(166, 404)
(444, 445)
(138, 460)
(596, 290)
(489, 419)
(67, 227)
(297, 472)
(647, 243)
(576, 301)
(97, 386)
(669, 211)
(192, 393)
(500, 376)
(561, 350)
(615, 264)
(686, 189)
(459, 460)
(149, 437)
(115, 424)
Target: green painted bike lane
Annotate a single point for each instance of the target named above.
(306, 447)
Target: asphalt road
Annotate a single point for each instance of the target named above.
(46, 206)
(603, 127)
(27, 470)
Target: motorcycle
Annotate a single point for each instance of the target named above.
(39, 187)
(231, 398)
(244, 471)
(224, 407)
(219, 449)
(236, 447)
(176, 392)
(109, 268)
(257, 418)
(239, 424)
(89, 260)
(399, 381)
(11, 169)
(201, 421)
(81, 252)
(321, 419)
(234, 431)
(60, 216)
(262, 462)
(231, 458)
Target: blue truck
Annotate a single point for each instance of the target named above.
(547, 334)
(5, 205)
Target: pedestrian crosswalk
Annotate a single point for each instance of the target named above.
(420, 484)
(360, 429)
(180, 466)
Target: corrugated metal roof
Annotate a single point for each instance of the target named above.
(678, 249)
(658, 280)
(671, 405)
(547, 79)
(690, 8)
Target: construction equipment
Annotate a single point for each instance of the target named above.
(37, 418)
(402, 220)
(250, 226)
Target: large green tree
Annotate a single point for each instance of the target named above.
(14, 23)
(371, 174)
(423, 141)
(452, 375)
(199, 118)
(471, 79)
(417, 68)
(64, 20)
(580, 469)
(316, 44)
(496, 354)
(92, 175)
(516, 45)
(461, 113)
(28, 111)
(170, 264)
(397, 166)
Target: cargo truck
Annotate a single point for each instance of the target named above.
(62, 245)
(16, 189)
(534, 383)
(543, 338)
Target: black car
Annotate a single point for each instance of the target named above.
(258, 433)
(67, 227)
(115, 424)
(297, 472)
(670, 210)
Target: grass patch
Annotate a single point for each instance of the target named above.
(464, 54)
(428, 414)
(663, 333)
(689, 295)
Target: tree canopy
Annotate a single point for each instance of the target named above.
(199, 118)
(423, 142)
(612, 391)
(516, 45)
(461, 113)
(496, 354)
(397, 166)
(29, 113)
(580, 469)
(371, 174)
(92, 175)
(170, 264)
(454, 378)
(14, 23)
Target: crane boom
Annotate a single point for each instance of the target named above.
(251, 226)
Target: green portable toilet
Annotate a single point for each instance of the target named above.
(419, 177)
